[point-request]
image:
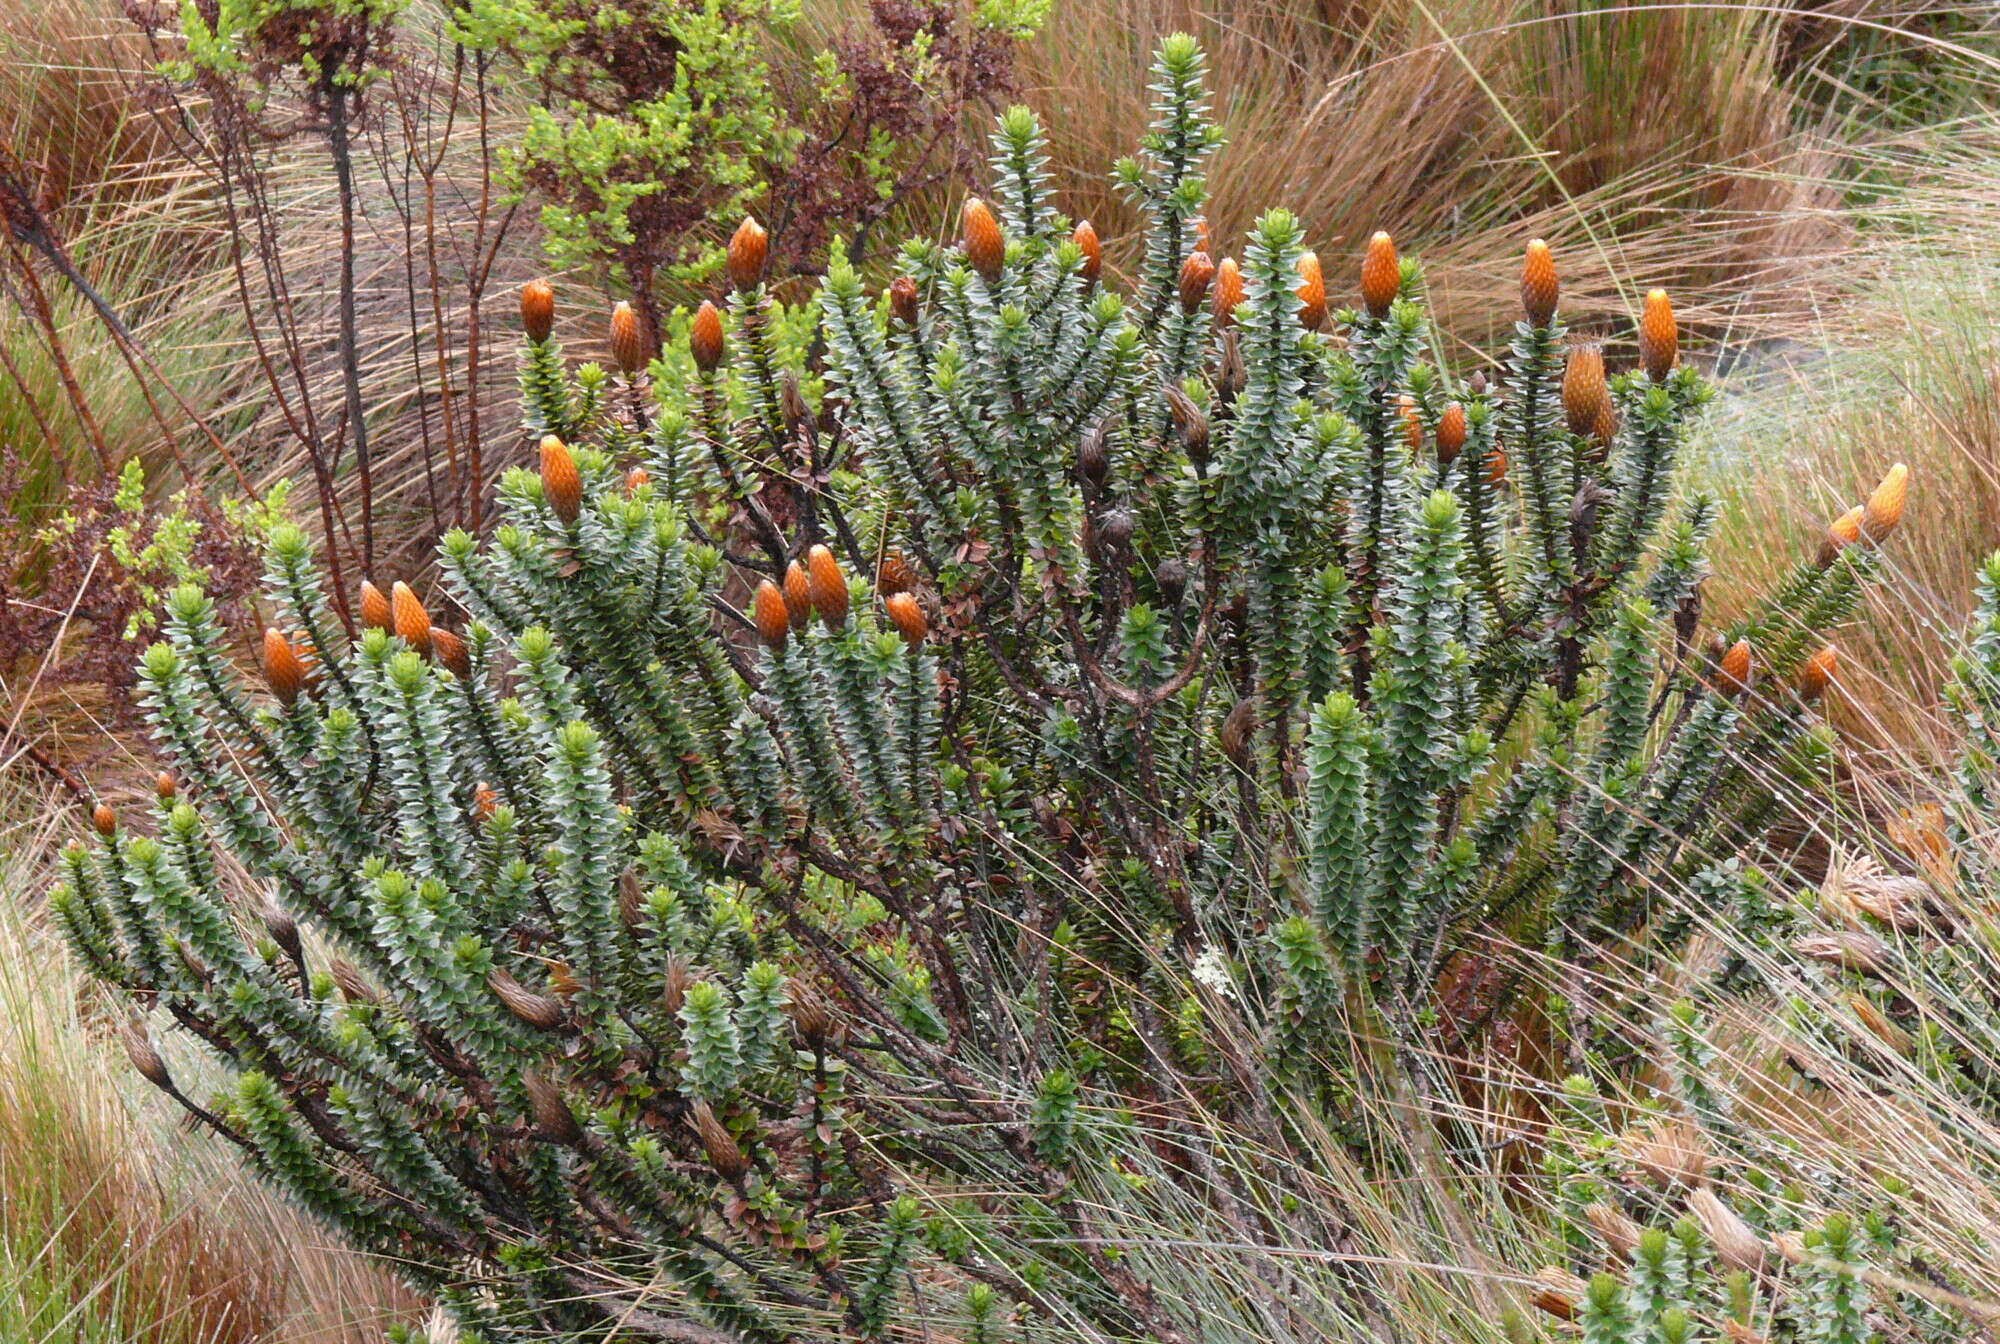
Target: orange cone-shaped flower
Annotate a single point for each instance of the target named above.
(1884, 509)
(628, 341)
(1818, 672)
(908, 618)
(561, 485)
(1539, 288)
(798, 595)
(747, 251)
(829, 585)
(283, 671)
(1228, 291)
(903, 300)
(1196, 273)
(705, 337)
(1311, 292)
(774, 622)
(1733, 671)
(893, 574)
(1841, 533)
(1086, 240)
(985, 248)
(1659, 336)
(538, 309)
(375, 613)
(450, 651)
(1451, 433)
(104, 819)
(1381, 275)
(1586, 394)
(411, 621)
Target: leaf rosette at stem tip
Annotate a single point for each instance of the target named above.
(1200, 679)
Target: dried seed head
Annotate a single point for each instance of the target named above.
(1311, 292)
(1884, 508)
(284, 930)
(798, 595)
(538, 309)
(1085, 238)
(724, 1154)
(1733, 669)
(1237, 730)
(450, 651)
(104, 819)
(561, 485)
(767, 609)
(1172, 577)
(1817, 673)
(1659, 336)
(1619, 1234)
(1586, 394)
(283, 671)
(1197, 272)
(552, 1114)
(1539, 288)
(628, 339)
(1116, 529)
(484, 800)
(792, 404)
(1559, 1292)
(903, 300)
(1191, 422)
(1841, 533)
(705, 337)
(1669, 1153)
(1093, 455)
(1851, 950)
(1413, 425)
(1232, 375)
(348, 979)
(536, 1010)
(985, 248)
(1381, 275)
(1450, 433)
(893, 574)
(829, 585)
(165, 787)
(139, 1049)
(409, 618)
(375, 612)
(908, 618)
(1736, 1244)
(637, 479)
(808, 1010)
(747, 250)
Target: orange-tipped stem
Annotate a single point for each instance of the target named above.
(561, 485)
(1496, 467)
(829, 585)
(1413, 426)
(1540, 291)
(637, 479)
(410, 619)
(1659, 336)
(767, 609)
(1381, 275)
(985, 247)
(1841, 533)
(748, 249)
(165, 786)
(538, 309)
(705, 337)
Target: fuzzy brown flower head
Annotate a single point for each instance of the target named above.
(903, 300)
(451, 652)
(1381, 275)
(165, 786)
(1818, 672)
(1311, 292)
(538, 309)
(1450, 433)
(985, 247)
(907, 615)
(893, 574)
(1228, 291)
(104, 819)
(409, 618)
(145, 1059)
(1197, 272)
(539, 1011)
(375, 613)
(1086, 240)
(1884, 509)
(1659, 336)
(1540, 290)
(705, 337)
(724, 1153)
(798, 595)
(283, 671)
(767, 610)
(747, 251)
(562, 487)
(829, 585)
(1237, 731)
(553, 1116)
(628, 339)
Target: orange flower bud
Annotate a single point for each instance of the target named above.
(1381, 275)
(538, 309)
(282, 669)
(1228, 291)
(768, 609)
(894, 575)
(829, 585)
(1841, 533)
(165, 786)
(1413, 427)
(450, 651)
(628, 341)
(1586, 394)
(1496, 467)
(1450, 433)
(984, 246)
(1196, 273)
(1885, 506)
(104, 819)
(1085, 237)
(1659, 336)
(411, 621)
(1733, 670)
(705, 337)
(1539, 289)
(1818, 672)
(561, 485)
(1201, 234)
(798, 595)
(637, 479)
(484, 800)
(903, 300)
(908, 618)
(374, 608)
(1311, 292)
(747, 251)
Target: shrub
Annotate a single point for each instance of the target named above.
(839, 830)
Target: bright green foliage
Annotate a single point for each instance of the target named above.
(689, 962)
